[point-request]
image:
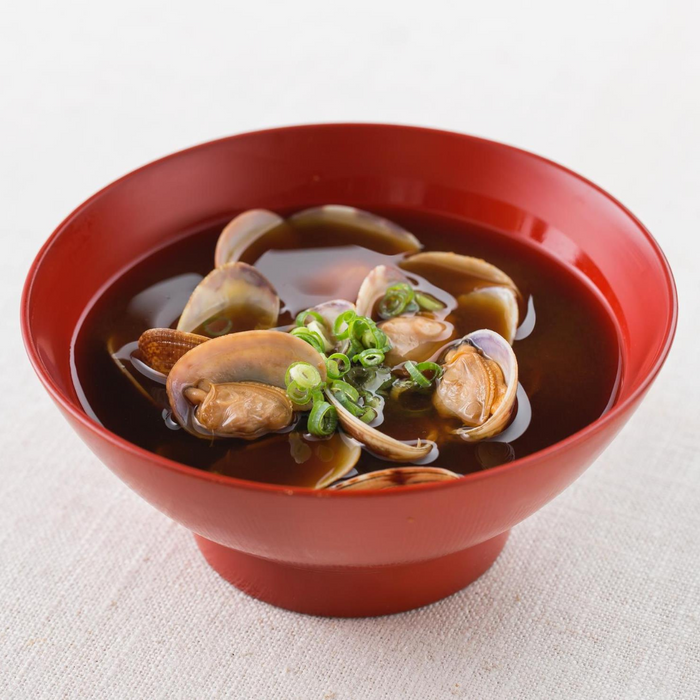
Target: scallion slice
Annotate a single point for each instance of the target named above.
(338, 365)
(322, 420)
(432, 367)
(341, 327)
(418, 371)
(299, 395)
(349, 390)
(305, 375)
(303, 316)
(428, 302)
(416, 374)
(396, 298)
(217, 326)
(370, 357)
(309, 336)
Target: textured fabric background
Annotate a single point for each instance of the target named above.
(596, 596)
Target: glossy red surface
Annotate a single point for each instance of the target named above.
(353, 553)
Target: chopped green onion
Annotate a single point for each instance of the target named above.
(428, 302)
(368, 416)
(402, 288)
(396, 299)
(355, 347)
(309, 336)
(219, 325)
(433, 367)
(416, 374)
(381, 340)
(346, 401)
(303, 315)
(338, 365)
(359, 326)
(298, 394)
(346, 318)
(323, 419)
(317, 395)
(349, 390)
(368, 339)
(320, 330)
(370, 399)
(305, 375)
(369, 357)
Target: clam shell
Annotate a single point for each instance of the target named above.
(161, 348)
(249, 356)
(399, 476)
(120, 356)
(382, 445)
(235, 288)
(400, 240)
(496, 283)
(241, 232)
(352, 456)
(496, 348)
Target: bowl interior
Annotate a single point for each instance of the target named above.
(368, 166)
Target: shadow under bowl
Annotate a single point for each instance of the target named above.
(338, 552)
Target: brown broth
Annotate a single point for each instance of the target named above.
(568, 365)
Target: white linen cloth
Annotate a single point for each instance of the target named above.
(596, 596)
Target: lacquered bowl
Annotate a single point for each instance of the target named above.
(352, 553)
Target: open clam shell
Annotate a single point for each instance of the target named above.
(384, 233)
(399, 476)
(261, 357)
(237, 295)
(381, 444)
(482, 279)
(161, 348)
(460, 387)
(242, 232)
(346, 453)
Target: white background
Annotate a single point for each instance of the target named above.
(596, 596)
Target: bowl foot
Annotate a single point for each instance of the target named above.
(351, 592)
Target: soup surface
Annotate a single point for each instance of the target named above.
(566, 347)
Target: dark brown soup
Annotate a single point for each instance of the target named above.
(566, 347)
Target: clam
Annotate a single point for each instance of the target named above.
(379, 230)
(399, 476)
(161, 348)
(382, 445)
(246, 410)
(234, 297)
(478, 282)
(242, 232)
(479, 384)
(415, 337)
(233, 386)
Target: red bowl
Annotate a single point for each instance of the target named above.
(337, 552)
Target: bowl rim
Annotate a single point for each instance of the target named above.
(617, 409)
